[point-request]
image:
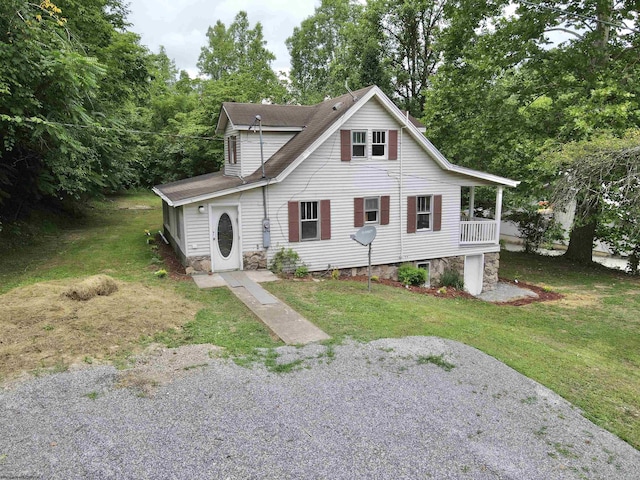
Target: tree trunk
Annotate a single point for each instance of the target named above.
(581, 243)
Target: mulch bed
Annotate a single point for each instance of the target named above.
(176, 271)
(543, 295)
(173, 266)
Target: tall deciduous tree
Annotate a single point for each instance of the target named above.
(320, 50)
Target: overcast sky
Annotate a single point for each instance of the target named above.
(181, 25)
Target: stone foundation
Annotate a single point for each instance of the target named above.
(438, 266)
(380, 271)
(198, 265)
(256, 260)
(490, 276)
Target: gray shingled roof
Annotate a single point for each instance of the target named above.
(314, 120)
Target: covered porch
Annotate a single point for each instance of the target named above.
(474, 229)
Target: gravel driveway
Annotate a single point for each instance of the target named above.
(378, 410)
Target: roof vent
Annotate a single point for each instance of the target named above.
(337, 106)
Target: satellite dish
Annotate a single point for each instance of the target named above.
(365, 235)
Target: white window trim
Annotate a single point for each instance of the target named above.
(430, 213)
(364, 208)
(317, 220)
(365, 144)
(384, 156)
(428, 269)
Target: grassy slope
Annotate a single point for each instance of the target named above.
(110, 239)
(586, 347)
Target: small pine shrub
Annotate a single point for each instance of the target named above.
(335, 274)
(375, 278)
(451, 278)
(410, 275)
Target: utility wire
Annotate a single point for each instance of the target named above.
(579, 15)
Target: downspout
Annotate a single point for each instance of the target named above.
(400, 202)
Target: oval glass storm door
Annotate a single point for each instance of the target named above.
(225, 235)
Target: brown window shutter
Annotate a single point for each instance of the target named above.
(235, 150)
(325, 219)
(437, 213)
(358, 212)
(384, 209)
(412, 215)
(345, 145)
(294, 222)
(393, 144)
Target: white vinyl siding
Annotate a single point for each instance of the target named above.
(319, 177)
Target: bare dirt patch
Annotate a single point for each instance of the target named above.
(43, 329)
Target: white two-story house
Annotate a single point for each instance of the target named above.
(308, 177)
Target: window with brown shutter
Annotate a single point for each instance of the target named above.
(309, 220)
(424, 213)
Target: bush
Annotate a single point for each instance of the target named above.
(451, 278)
(302, 271)
(161, 273)
(284, 261)
(410, 275)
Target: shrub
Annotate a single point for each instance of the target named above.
(284, 261)
(302, 271)
(451, 278)
(335, 274)
(161, 273)
(410, 275)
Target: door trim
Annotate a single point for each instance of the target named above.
(238, 225)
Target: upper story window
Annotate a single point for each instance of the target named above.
(358, 143)
(379, 143)
(371, 210)
(309, 221)
(423, 211)
(232, 149)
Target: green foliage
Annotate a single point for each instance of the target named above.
(452, 278)
(411, 275)
(335, 274)
(301, 271)
(536, 226)
(162, 273)
(437, 360)
(284, 261)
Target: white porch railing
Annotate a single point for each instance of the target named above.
(478, 231)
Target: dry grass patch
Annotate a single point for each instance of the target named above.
(43, 328)
(102, 285)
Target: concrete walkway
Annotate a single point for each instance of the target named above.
(283, 321)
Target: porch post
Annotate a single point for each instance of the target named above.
(472, 200)
(498, 212)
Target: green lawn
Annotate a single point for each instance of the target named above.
(585, 347)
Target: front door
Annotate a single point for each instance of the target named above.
(225, 238)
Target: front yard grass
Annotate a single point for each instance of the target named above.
(585, 347)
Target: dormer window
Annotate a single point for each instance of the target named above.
(232, 150)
